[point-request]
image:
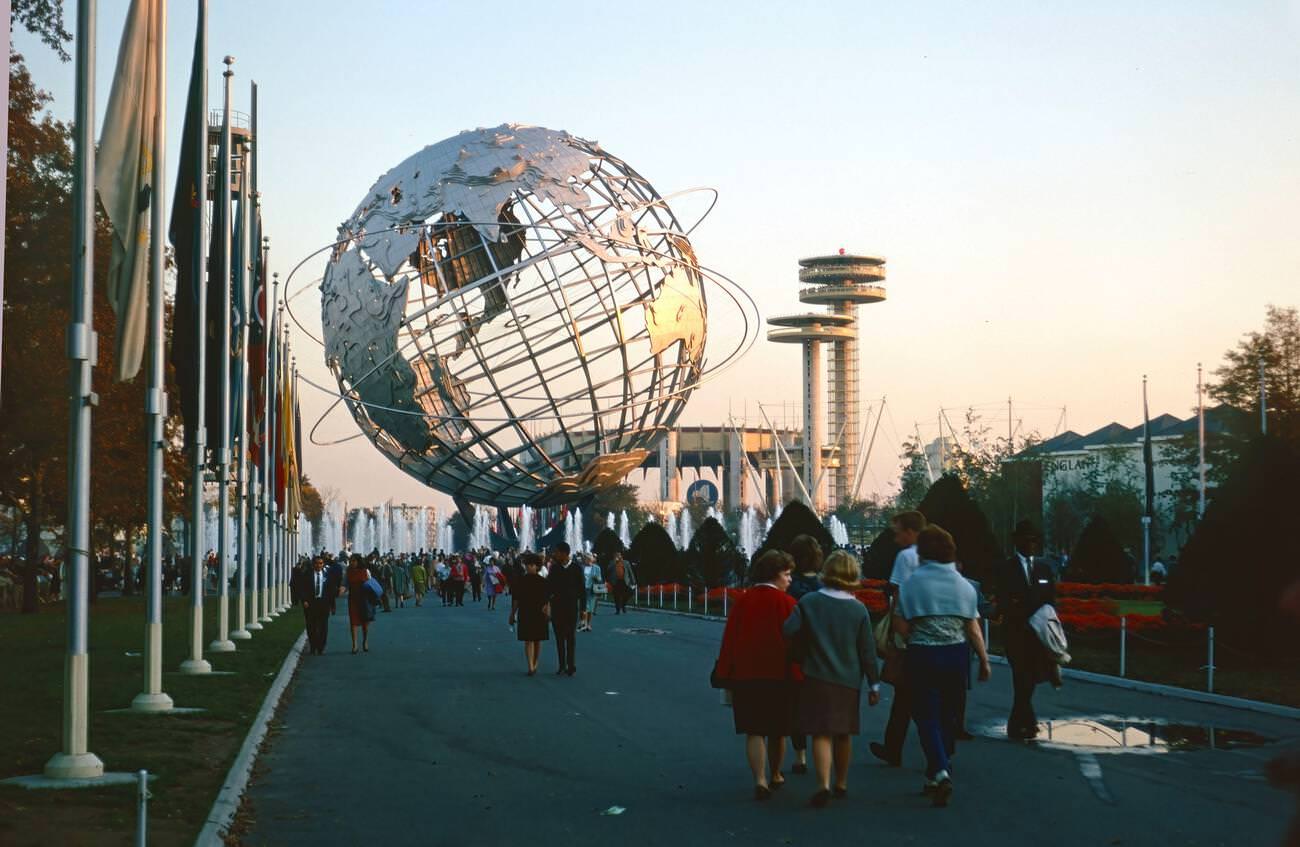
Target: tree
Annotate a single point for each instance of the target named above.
(878, 563)
(1228, 574)
(1098, 555)
(44, 19)
(1065, 513)
(1277, 349)
(655, 556)
(796, 519)
(606, 546)
(914, 479)
(949, 505)
(312, 505)
(712, 558)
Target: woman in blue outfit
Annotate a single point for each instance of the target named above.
(939, 615)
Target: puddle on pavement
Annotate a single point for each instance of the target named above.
(642, 630)
(1108, 734)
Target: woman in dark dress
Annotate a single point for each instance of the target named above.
(360, 610)
(529, 605)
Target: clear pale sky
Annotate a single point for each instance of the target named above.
(1068, 195)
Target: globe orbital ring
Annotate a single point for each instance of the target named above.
(728, 286)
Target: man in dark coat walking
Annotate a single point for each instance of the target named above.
(314, 589)
(1024, 584)
(567, 591)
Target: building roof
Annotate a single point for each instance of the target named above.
(1217, 420)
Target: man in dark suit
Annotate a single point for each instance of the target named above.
(1024, 584)
(315, 589)
(567, 593)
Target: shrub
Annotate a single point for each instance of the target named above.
(655, 556)
(1098, 556)
(949, 505)
(796, 519)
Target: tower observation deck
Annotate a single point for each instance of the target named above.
(841, 282)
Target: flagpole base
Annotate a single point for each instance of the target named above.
(195, 667)
(79, 766)
(220, 646)
(241, 635)
(252, 626)
(151, 703)
(265, 619)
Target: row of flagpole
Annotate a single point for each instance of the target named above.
(129, 178)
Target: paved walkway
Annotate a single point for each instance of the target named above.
(436, 737)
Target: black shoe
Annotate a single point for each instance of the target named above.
(798, 768)
(762, 792)
(560, 671)
(839, 793)
(878, 750)
(942, 792)
(964, 735)
(571, 671)
(820, 799)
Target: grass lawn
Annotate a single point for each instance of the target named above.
(1176, 660)
(188, 754)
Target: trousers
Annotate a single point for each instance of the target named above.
(565, 625)
(937, 676)
(318, 615)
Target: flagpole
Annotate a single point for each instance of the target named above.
(152, 699)
(246, 585)
(1200, 443)
(74, 761)
(196, 664)
(281, 577)
(253, 552)
(1146, 517)
(223, 644)
(268, 451)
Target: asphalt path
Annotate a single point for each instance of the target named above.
(437, 737)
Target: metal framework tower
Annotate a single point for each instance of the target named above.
(841, 282)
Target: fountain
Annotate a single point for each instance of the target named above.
(482, 534)
(609, 522)
(446, 537)
(573, 530)
(684, 526)
(671, 527)
(526, 528)
(624, 529)
(839, 532)
(749, 534)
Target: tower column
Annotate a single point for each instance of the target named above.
(670, 484)
(812, 421)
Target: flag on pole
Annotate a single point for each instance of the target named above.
(257, 348)
(218, 306)
(186, 232)
(124, 180)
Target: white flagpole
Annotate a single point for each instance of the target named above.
(223, 644)
(246, 583)
(152, 698)
(74, 761)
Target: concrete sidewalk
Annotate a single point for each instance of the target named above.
(437, 737)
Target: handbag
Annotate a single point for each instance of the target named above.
(373, 587)
(715, 679)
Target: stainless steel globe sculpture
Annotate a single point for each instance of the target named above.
(514, 316)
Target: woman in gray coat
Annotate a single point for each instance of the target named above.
(830, 634)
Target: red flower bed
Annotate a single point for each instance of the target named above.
(1086, 606)
(1109, 589)
(1103, 622)
(873, 600)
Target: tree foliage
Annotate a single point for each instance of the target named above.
(606, 546)
(950, 505)
(1227, 575)
(1098, 555)
(711, 558)
(1277, 349)
(44, 19)
(655, 556)
(795, 519)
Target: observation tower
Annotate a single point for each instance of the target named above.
(841, 282)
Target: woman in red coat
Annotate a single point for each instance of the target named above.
(754, 663)
(359, 609)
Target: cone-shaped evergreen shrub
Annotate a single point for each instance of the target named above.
(796, 519)
(712, 558)
(655, 556)
(1098, 555)
(1230, 573)
(949, 505)
(607, 544)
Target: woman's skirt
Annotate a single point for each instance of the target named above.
(763, 706)
(828, 709)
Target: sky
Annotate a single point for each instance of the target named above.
(1069, 196)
